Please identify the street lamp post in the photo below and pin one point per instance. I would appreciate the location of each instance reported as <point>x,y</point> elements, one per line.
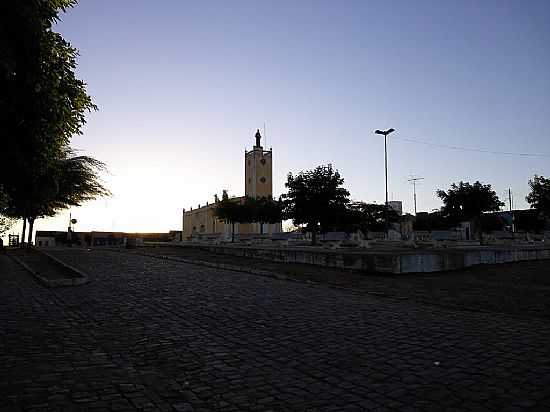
<point>70,230</point>
<point>386,133</point>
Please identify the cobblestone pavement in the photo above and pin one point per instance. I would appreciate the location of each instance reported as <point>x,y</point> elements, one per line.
<point>521,289</point>
<point>147,334</point>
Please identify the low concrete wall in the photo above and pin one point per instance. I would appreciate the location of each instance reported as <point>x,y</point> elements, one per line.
<point>413,261</point>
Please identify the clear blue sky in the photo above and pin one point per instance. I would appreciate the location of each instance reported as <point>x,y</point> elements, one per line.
<point>182,86</point>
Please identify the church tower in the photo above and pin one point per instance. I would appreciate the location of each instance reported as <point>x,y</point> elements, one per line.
<point>258,171</point>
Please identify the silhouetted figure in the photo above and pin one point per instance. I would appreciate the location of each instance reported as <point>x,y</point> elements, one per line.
<point>258,137</point>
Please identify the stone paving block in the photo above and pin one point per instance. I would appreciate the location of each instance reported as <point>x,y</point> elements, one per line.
<point>146,334</point>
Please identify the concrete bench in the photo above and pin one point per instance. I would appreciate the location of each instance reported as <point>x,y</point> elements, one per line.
<point>286,236</point>
<point>333,240</point>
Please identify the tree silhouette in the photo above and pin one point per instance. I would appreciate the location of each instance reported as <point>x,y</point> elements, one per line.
<point>67,181</point>
<point>539,197</point>
<point>434,221</point>
<point>260,210</point>
<point>469,201</point>
<point>315,199</point>
<point>42,102</point>
<point>251,210</point>
<point>5,221</point>
<point>371,217</point>
<point>229,211</point>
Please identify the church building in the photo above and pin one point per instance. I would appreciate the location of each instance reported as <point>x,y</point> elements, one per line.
<point>258,175</point>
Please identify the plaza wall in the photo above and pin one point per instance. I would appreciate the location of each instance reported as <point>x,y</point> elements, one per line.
<point>390,262</point>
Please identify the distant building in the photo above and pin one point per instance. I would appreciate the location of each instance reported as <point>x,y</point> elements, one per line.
<point>258,175</point>
<point>49,238</point>
<point>397,206</point>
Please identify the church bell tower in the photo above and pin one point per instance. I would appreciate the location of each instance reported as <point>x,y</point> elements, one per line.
<point>258,170</point>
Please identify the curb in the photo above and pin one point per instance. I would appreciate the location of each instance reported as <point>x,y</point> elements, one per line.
<point>225,266</point>
<point>43,281</point>
<point>75,281</point>
<point>50,283</point>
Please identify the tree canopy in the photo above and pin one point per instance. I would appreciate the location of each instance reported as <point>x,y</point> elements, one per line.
<point>230,211</point>
<point>539,197</point>
<point>68,181</point>
<point>5,221</point>
<point>371,217</point>
<point>529,220</point>
<point>42,106</point>
<point>433,221</point>
<point>261,210</point>
<point>315,199</point>
<point>469,201</point>
<point>43,103</point>
<point>251,210</point>
<point>465,200</point>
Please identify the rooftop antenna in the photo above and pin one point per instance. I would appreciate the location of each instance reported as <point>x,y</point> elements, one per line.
<point>414,180</point>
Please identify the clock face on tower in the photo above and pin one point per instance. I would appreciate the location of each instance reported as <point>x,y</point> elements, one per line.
<point>262,179</point>
<point>262,161</point>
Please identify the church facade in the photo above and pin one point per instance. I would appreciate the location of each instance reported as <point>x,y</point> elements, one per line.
<point>258,175</point>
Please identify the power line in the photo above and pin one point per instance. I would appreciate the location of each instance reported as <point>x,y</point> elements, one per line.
<point>469,149</point>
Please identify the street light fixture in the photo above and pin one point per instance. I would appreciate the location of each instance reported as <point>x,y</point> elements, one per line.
<point>385,133</point>
<point>70,230</point>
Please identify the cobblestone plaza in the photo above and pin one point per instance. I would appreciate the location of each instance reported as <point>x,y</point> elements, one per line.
<point>149,334</point>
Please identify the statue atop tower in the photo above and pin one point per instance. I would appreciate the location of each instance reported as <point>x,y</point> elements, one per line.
<point>258,172</point>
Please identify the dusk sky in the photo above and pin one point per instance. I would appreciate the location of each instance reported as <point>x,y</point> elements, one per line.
<point>182,86</point>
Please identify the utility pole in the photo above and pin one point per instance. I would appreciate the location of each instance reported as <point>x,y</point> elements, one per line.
<point>511,209</point>
<point>414,180</point>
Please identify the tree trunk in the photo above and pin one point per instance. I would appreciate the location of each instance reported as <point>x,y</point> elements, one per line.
<point>31,224</point>
<point>479,229</point>
<point>24,230</point>
<point>314,237</point>
<point>480,234</point>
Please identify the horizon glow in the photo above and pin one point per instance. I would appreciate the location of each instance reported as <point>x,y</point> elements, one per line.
<point>182,87</point>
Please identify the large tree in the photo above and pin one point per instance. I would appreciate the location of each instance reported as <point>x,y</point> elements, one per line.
<point>71,180</point>
<point>371,217</point>
<point>529,220</point>
<point>230,210</point>
<point>260,210</point>
<point>539,197</point>
<point>42,102</point>
<point>469,201</point>
<point>434,220</point>
<point>315,199</point>
<point>251,210</point>
<point>5,221</point>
